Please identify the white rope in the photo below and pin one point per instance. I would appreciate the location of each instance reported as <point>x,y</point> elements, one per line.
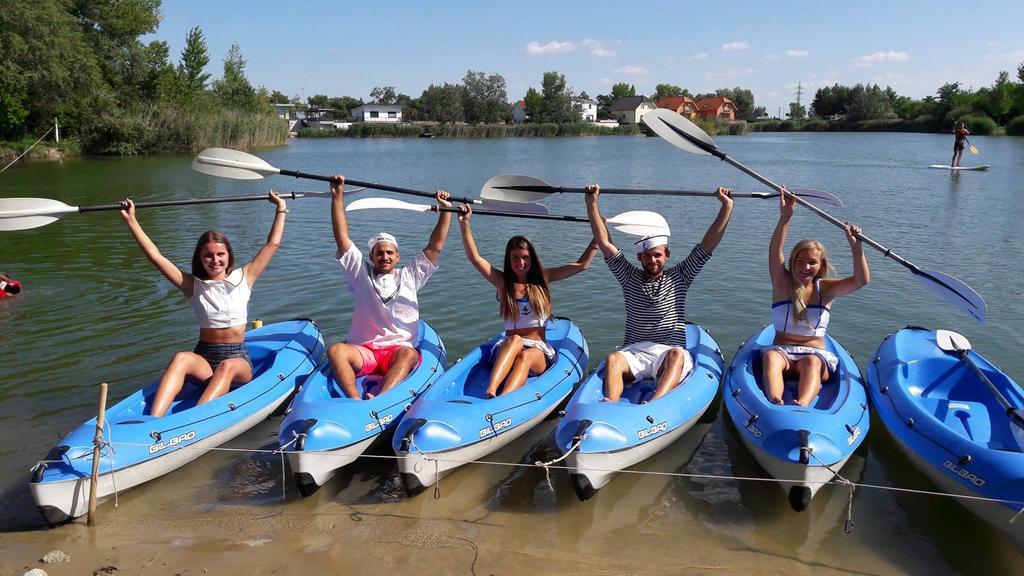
<point>547,465</point>
<point>848,526</point>
<point>438,459</point>
<point>26,150</point>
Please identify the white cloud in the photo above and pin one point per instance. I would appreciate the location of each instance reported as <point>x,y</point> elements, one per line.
<point>1015,56</point>
<point>729,74</point>
<point>598,49</point>
<point>735,46</point>
<point>605,81</point>
<point>701,56</point>
<point>553,47</point>
<point>632,71</point>
<point>871,59</point>
<point>797,53</point>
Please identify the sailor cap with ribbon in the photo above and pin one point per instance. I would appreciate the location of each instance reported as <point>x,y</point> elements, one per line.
<point>646,243</point>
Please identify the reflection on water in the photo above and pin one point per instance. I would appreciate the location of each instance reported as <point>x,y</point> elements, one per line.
<point>94,310</point>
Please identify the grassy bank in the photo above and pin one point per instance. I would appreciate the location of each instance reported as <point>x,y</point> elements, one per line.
<point>381,130</point>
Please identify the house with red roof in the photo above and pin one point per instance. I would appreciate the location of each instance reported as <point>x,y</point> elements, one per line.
<point>519,114</point>
<point>681,105</point>
<point>718,107</point>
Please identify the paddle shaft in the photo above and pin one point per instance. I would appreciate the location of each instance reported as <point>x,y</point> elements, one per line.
<point>118,206</point>
<point>385,187</point>
<point>436,208</point>
<point>635,191</point>
<point>1012,411</point>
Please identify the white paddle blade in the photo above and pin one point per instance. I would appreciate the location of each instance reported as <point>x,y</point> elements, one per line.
<point>640,223</point>
<point>28,213</point>
<point>228,163</point>
<point>951,341</point>
<point>518,207</point>
<point>385,203</point>
<point>954,291</point>
<point>668,124</point>
<point>817,197</point>
<point>494,188</point>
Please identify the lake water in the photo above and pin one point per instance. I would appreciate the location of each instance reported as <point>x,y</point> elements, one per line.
<point>93,310</point>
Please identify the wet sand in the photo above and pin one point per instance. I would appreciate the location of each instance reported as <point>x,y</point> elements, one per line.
<point>224,515</point>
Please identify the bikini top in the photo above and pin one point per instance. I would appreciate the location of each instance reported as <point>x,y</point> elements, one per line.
<point>526,318</point>
<point>221,303</point>
<point>815,322</point>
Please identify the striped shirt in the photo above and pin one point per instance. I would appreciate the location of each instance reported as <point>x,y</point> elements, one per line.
<point>656,310</point>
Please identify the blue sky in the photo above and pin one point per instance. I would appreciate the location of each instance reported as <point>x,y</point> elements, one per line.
<point>347,48</point>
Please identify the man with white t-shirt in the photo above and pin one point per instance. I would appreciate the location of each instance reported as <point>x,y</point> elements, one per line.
<point>654,345</point>
<point>385,322</point>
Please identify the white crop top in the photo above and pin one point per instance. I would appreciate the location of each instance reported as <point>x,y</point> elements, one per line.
<point>815,322</point>
<point>221,303</point>
<point>526,318</point>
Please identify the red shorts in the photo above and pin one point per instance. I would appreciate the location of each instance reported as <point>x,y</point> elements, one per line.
<point>376,360</point>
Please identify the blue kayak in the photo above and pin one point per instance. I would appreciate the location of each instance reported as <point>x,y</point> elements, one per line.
<point>453,423</point>
<point>950,424</point>
<point>803,447</point>
<point>615,435</point>
<point>144,447</point>
<point>324,429</point>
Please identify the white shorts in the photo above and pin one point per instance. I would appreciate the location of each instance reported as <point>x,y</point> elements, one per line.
<point>645,359</point>
<point>794,353</point>
<point>549,352</point>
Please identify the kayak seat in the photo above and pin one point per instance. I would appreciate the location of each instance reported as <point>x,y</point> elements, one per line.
<point>967,419</point>
<point>823,401</point>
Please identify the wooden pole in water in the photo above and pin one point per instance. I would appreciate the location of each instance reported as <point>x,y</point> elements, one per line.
<point>96,442</point>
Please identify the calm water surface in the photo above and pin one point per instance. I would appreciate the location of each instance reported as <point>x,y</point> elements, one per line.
<point>94,310</point>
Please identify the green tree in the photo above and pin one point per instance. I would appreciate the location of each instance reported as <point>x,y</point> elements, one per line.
<point>535,106</point>
<point>341,105</point>
<point>662,91</point>
<point>444,104</point>
<point>486,97</point>
<point>233,88</point>
<point>558,107</point>
<point>278,97</point>
<point>621,90</point>
<point>383,94</point>
<point>796,111</point>
<point>194,58</point>
<point>742,98</point>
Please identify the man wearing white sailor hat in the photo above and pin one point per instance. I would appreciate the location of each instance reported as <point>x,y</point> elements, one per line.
<point>654,344</point>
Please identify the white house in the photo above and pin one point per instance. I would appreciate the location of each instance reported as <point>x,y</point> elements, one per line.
<point>519,112</point>
<point>376,113</point>
<point>631,109</point>
<point>587,108</point>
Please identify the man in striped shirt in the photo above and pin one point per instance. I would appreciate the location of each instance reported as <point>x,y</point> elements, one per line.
<point>654,345</point>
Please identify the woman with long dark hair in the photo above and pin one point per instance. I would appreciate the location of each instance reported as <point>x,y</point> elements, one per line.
<point>524,302</point>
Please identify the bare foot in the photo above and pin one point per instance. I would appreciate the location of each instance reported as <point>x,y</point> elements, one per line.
<point>776,401</point>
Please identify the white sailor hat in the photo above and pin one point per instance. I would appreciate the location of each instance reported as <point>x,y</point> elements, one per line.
<point>648,242</point>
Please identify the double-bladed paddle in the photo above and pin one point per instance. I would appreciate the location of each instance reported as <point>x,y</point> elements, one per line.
<point>519,188</point>
<point>26,213</point>
<point>687,136</point>
<point>636,222</point>
<point>950,341</point>
<point>228,163</point>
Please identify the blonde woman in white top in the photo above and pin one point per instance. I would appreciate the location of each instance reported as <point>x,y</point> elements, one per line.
<point>219,295</point>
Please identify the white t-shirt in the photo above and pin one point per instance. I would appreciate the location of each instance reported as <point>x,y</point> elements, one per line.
<point>387,312</point>
<point>222,303</point>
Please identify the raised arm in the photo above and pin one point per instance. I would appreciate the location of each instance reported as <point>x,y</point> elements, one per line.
<point>861,275</point>
<point>490,273</point>
<point>181,280</point>
<point>262,258</point>
<point>597,224</point>
<point>776,258</point>
<point>717,229</point>
<point>440,233</point>
<point>574,268</point>
<point>339,222</point>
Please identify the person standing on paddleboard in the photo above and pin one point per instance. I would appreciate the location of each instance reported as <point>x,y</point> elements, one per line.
<point>802,296</point>
<point>525,304</point>
<point>960,135</point>
<point>219,295</point>
<point>654,345</point>
<point>384,331</point>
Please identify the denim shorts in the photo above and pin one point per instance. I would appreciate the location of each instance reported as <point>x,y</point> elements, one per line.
<point>217,353</point>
